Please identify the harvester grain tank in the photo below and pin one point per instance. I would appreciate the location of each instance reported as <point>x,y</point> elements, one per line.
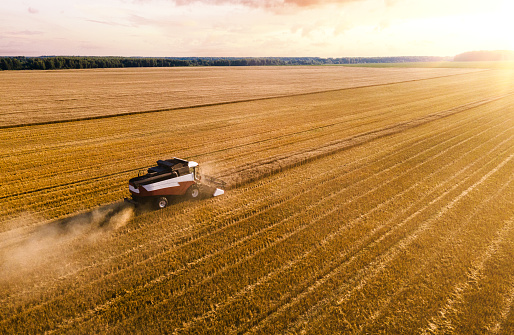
<point>170,178</point>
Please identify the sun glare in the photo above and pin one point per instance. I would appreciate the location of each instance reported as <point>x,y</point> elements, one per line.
<point>504,24</point>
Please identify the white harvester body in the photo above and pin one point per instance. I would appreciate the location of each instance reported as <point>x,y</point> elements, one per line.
<point>172,177</point>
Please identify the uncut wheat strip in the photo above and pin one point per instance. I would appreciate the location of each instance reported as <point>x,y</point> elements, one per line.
<point>375,267</point>
<point>305,150</point>
<point>326,240</point>
<point>380,262</point>
<point>233,245</point>
<point>442,322</point>
<point>278,163</point>
<point>434,258</point>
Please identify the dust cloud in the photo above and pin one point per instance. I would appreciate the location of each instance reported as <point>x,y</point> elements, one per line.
<point>31,248</point>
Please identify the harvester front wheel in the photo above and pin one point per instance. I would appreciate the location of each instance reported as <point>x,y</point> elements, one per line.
<point>162,202</point>
<point>193,192</point>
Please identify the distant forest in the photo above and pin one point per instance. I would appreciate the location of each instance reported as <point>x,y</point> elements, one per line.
<point>78,62</point>
<point>497,55</point>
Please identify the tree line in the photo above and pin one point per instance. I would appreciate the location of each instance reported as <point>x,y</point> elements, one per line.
<point>79,62</point>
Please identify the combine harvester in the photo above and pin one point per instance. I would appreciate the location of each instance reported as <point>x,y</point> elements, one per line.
<point>172,177</point>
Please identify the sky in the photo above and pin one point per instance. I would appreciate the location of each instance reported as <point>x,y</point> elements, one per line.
<point>252,28</point>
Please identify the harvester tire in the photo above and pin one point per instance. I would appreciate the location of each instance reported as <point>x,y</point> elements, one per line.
<point>162,202</point>
<point>193,192</point>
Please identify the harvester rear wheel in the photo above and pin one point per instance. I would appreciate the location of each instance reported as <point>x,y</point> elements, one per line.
<point>162,202</point>
<point>193,192</point>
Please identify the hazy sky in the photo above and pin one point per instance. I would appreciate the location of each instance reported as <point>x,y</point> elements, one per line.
<point>245,28</point>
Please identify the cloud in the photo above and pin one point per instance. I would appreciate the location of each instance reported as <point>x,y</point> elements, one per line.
<point>24,33</point>
<point>109,23</point>
<point>32,10</point>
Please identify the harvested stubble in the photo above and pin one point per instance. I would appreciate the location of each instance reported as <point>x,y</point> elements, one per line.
<point>388,235</point>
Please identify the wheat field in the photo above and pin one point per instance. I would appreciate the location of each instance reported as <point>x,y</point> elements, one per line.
<point>380,208</point>
<point>32,97</point>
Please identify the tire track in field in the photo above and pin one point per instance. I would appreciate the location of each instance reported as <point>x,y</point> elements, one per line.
<point>442,322</point>
<point>432,148</point>
<point>223,103</point>
<point>373,268</point>
<point>268,166</point>
<point>333,235</point>
<point>276,242</point>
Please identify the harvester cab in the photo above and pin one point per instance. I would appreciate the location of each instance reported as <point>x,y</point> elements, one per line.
<point>172,177</point>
